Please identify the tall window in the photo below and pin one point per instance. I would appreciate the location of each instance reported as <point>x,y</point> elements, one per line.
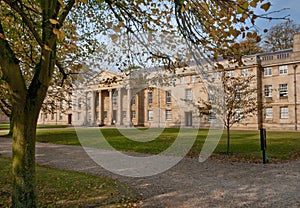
<point>268,90</point>
<point>188,94</point>
<point>230,73</point>
<point>238,116</point>
<point>182,80</point>
<point>150,97</point>
<point>168,115</point>
<point>193,78</point>
<point>79,103</point>
<point>150,115</point>
<point>268,113</point>
<point>283,90</point>
<point>123,114</point>
<point>268,71</point>
<point>60,116</point>
<point>133,114</point>
<point>168,96</point>
<point>78,115</point>
<point>283,69</point>
<point>133,100</point>
<point>115,98</point>
<point>238,93</point>
<point>211,115</point>
<point>244,72</point>
<point>52,116</point>
<point>284,112</point>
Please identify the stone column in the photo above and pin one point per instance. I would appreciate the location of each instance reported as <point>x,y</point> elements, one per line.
<point>119,107</point>
<point>100,108</point>
<point>129,107</point>
<point>93,108</point>
<point>110,111</point>
<point>85,116</point>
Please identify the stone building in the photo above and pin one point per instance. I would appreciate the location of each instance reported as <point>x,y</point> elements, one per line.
<point>162,99</point>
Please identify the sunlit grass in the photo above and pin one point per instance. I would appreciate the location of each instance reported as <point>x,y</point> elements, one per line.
<point>58,188</point>
<point>244,144</point>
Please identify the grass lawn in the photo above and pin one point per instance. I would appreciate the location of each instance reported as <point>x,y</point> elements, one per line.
<point>40,126</point>
<point>57,188</point>
<point>245,145</point>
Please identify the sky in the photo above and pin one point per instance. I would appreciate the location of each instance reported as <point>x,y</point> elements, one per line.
<point>293,7</point>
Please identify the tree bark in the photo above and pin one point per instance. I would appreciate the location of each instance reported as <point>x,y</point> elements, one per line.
<point>228,140</point>
<point>23,161</point>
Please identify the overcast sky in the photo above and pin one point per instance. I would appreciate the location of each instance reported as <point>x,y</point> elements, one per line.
<point>293,9</point>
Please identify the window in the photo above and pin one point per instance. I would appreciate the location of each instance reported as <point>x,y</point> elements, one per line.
<point>61,104</point>
<point>268,71</point>
<point>78,115</point>
<point>211,115</point>
<point>182,80</point>
<point>150,97</point>
<point>168,96</point>
<point>133,100</point>
<point>123,114</point>
<point>284,112</point>
<point>268,90</point>
<point>238,93</point>
<point>283,69</point>
<point>188,94</point>
<point>60,116</point>
<point>104,114</point>
<point>238,116</point>
<point>133,114</point>
<point>230,73</point>
<point>283,90</point>
<point>150,115</point>
<point>244,72</point>
<point>211,94</point>
<point>268,113</point>
<point>168,115</point>
<point>46,116</point>
<point>52,116</point>
<point>79,103</point>
<point>115,98</point>
<point>193,78</point>
<point>89,103</point>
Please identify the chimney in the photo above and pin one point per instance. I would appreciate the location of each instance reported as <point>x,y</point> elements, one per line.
<point>296,45</point>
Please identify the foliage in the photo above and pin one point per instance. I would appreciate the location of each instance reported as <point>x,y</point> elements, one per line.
<point>60,188</point>
<point>42,42</point>
<point>280,36</point>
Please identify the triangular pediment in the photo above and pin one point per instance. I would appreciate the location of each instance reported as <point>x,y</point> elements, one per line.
<point>103,77</point>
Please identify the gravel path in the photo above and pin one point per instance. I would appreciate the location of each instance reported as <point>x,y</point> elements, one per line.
<point>190,183</point>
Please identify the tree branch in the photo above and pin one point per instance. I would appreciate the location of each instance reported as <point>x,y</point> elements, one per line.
<point>26,21</point>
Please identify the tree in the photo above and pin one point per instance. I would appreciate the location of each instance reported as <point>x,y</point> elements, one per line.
<point>238,104</point>
<point>280,36</point>
<point>35,35</point>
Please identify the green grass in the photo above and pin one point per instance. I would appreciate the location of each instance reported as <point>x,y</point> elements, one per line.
<point>245,145</point>
<point>39,126</point>
<point>58,188</point>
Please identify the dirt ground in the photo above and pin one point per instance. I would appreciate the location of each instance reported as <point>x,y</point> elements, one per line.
<point>190,183</point>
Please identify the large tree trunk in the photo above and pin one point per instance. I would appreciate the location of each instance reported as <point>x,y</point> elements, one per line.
<point>23,164</point>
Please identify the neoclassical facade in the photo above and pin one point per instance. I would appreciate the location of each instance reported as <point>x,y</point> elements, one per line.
<point>163,100</point>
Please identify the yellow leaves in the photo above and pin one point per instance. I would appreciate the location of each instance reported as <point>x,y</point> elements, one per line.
<point>60,34</point>
<point>53,21</point>
<point>83,1</point>
<point>266,6</point>
<point>2,36</point>
<point>114,37</point>
<point>47,48</point>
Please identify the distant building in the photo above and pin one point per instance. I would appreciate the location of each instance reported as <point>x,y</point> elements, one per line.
<point>114,99</point>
